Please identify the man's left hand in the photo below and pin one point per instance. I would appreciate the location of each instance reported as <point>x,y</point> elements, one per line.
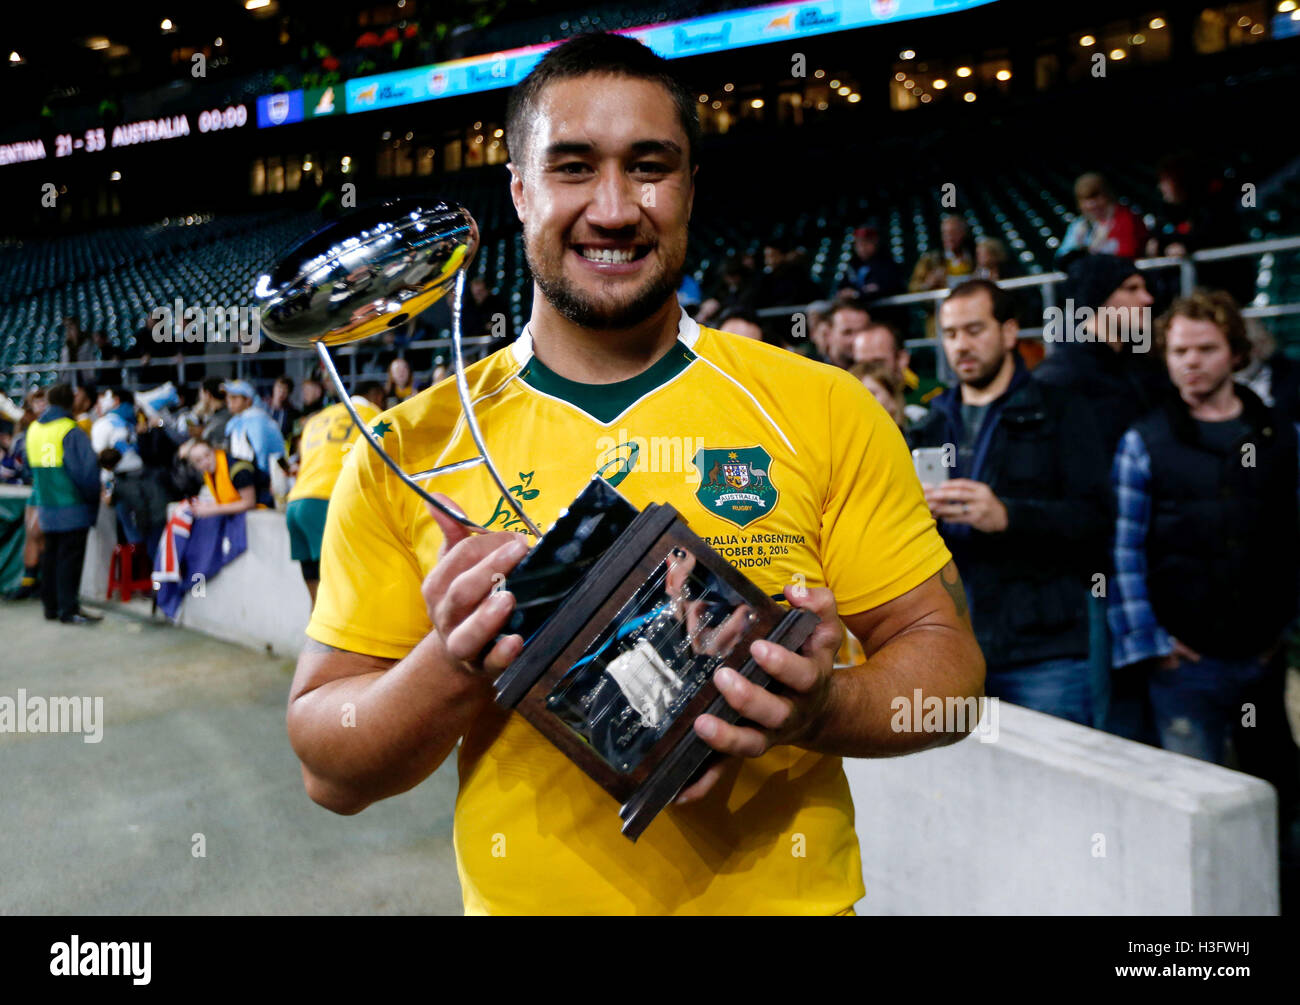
<point>789,717</point>
<point>964,501</point>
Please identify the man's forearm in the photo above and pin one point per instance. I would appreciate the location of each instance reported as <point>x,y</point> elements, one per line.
<point>863,708</point>
<point>370,736</point>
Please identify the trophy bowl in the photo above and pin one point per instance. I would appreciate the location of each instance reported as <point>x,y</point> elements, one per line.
<point>367,272</point>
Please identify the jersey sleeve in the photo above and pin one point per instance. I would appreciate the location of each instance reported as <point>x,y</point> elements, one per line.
<point>369,597</point>
<point>878,538</point>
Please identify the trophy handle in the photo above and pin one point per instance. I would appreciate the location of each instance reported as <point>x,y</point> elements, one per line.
<point>462,389</point>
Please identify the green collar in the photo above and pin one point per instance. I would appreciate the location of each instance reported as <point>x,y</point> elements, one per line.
<point>605,402</point>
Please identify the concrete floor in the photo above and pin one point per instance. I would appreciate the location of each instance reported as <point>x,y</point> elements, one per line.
<point>194,743</point>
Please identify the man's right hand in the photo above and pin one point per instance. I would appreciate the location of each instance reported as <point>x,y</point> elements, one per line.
<point>1181,654</point>
<point>464,597</point>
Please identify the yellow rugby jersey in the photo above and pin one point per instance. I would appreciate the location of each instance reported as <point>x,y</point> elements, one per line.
<point>829,495</point>
<point>324,445</point>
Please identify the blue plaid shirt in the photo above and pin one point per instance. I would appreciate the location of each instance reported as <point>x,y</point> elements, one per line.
<point>1135,633</point>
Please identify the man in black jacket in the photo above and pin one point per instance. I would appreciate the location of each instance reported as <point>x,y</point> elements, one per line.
<point>1107,361</point>
<point>1118,375</point>
<point>1024,510</point>
<point>1207,544</point>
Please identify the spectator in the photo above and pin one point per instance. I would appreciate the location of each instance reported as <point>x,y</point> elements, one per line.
<point>11,460</point>
<point>1271,374</point>
<point>1025,515</point>
<point>734,290</point>
<point>280,408</point>
<point>146,348</point>
<point>1108,359</point>
<point>992,261</point>
<point>212,409</point>
<point>1199,213</point>
<point>1103,226</point>
<point>77,347</point>
<point>116,428</point>
<point>742,323</point>
<point>65,490</point>
<point>313,397</point>
<point>83,405</point>
<point>233,486</point>
<point>870,271</point>
<point>881,344</point>
<point>785,281</point>
<point>1206,545</point>
<point>848,320</point>
<point>689,294</point>
<point>884,386</point>
<point>484,313</point>
<point>326,437</point>
<point>951,264</point>
<point>251,434</point>
<point>34,541</point>
<point>401,383</point>
<point>1109,365</point>
<point>819,328</point>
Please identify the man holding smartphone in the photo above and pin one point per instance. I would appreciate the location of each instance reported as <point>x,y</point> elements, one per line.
<point>1024,506</point>
<point>800,471</point>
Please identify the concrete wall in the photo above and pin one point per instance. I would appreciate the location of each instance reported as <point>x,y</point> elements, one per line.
<point>259,599</point>
<point>1049,818</point>
<point>1055,818</point>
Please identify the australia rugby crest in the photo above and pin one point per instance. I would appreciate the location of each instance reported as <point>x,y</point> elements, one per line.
<point>736,484</point>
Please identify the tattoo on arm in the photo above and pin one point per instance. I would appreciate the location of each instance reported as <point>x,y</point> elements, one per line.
<point>955,590</point>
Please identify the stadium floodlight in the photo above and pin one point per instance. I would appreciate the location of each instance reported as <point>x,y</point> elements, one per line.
<point>366,274</point>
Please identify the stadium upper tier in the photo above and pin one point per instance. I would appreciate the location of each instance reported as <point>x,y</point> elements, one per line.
<point>110,279</point>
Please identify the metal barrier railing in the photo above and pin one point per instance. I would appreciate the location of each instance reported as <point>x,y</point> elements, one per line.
<point>351,354</point>
<point>1047,282</point>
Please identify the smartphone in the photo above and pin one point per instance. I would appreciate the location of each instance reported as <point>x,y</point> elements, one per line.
<point>929,464</point>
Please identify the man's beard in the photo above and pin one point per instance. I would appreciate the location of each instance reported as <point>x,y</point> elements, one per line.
<point>986,376</point>
<point>576,308</point>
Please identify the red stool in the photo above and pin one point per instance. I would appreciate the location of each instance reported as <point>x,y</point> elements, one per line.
<point>121,574</point>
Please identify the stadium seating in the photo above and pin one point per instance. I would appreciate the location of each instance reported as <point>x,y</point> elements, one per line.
<point>110,279</point>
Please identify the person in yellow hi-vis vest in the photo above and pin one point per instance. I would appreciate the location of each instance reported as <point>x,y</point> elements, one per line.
<point>326,438</point>
<point>65,491</point>
<point>790,464</point>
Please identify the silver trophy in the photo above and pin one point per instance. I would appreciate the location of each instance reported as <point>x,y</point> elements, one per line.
<point>365,274</point>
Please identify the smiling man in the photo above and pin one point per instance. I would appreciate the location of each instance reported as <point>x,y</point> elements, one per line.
<point>603,143</point>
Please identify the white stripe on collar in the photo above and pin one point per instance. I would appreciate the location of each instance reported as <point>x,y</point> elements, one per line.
<point>688,333</point>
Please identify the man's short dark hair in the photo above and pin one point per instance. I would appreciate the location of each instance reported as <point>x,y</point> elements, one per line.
<point>598,53</point>
<point>122,394</point>
<point>286,380</point>
<point>894,332</point>
<point>1004,305</point>
<point>368,387</point>
<point>739,314</point>
<point>214,386</point>
<point>60,396</point>
<point>840,306</point>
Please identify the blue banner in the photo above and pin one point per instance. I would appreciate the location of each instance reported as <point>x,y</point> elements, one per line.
<point>735,29</point>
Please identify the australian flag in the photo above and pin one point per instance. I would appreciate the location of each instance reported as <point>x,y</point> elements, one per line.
<point>192,548</point>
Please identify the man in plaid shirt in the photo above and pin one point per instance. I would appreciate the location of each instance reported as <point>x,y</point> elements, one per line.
<point>1207,540</point>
